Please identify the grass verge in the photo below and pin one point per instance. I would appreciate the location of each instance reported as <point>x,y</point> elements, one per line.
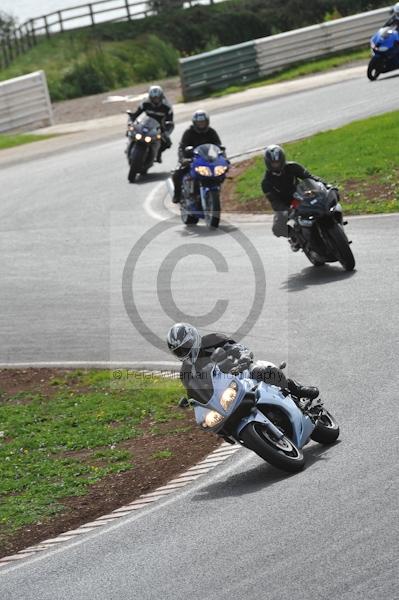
<point>11,140</point>
<point>299,70</point>
<point>360,158</point>
<point>74,445</point>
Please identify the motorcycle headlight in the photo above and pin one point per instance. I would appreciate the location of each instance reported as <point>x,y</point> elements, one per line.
<point>212,419</point>
<point>219,170</point>
<point>138,136</point>
<point>148,139</point>
<point>204,171</point>
<point>228,396</point>
<point>158,136</point>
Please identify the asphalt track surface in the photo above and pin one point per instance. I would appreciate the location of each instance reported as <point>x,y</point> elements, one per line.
<point>69,223</point>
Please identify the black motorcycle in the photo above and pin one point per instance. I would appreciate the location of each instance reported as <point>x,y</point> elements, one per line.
<point>318,226</point>
<point>144,141</point>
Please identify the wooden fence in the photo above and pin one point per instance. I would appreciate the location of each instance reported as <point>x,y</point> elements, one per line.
<point>29,33</point>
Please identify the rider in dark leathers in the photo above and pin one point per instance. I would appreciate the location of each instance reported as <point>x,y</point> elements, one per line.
<point>157,107</point>
<point>198,133</point>
<point>279,183</point>
<point>394,18</point>
<point>195,352</point>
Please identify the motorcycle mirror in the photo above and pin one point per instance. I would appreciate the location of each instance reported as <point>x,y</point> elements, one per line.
<point>218,355</point>
<point>282,365</point>
<point>189,151</point>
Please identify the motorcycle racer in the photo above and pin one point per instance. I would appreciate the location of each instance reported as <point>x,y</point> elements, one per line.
<point>195,351</point>
<point>158,107</point>
<point>278,184</point>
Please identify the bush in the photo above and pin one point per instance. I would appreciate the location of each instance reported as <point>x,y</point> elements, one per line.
<point>233,21</point>
<point>105,67</point>
<point>93,74</point>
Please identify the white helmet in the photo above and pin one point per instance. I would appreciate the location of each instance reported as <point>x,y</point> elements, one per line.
<point>396,10</point>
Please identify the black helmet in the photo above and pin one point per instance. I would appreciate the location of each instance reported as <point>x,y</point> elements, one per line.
<point>155,94</point>
<point>275,159</point>
<point>184,341</point>
<point>200,121</point>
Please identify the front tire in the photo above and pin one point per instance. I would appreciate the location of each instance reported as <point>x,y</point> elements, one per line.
<point>326,430</point>
<point>372,70</point>
<point>187,218</point>
<point>212,214</point>
<point>282,453</point>
<point>137,159</point>
<point>340,246</point>
<point>313,257</point>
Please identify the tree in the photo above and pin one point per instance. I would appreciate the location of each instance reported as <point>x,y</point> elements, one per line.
<point>160,6</point>
<point>7,25</point>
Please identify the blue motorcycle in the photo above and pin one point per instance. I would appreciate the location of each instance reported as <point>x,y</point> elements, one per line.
<point>272,423</point>
<point>385,52</point>
<point>201,185</point>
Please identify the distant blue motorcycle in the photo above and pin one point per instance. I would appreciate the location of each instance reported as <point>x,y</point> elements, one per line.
<point>201,185</point>
<point>385,52</point>
<point>260,416</point>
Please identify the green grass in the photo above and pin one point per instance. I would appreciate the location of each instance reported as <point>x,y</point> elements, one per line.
<point>308,68</point>
<point>79,65</point>
<point>9,140</point>
<point>57,446</point>
<point>361,158</point>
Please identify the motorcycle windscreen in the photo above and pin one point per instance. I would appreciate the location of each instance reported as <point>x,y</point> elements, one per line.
<point>309,188</point>
<point>313,197</point>
<point>385,32</point>
<point>147,123</point>
<point>208,152</point>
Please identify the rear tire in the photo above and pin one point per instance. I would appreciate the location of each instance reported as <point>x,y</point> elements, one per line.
<point>212,214</point>
<point>340,246</point>
<point>372,70</point>
<point>137,158</point>
<point>326,430</point>
<point>282,453</point>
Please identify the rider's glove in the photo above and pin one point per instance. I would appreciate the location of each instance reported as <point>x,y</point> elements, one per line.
<point>241,365</point>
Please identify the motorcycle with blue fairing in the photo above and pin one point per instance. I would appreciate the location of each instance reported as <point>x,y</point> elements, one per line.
<point>201,185</point>
<point>385,52</point>
<point>262,417</point>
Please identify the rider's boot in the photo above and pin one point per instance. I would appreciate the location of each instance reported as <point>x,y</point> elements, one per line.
<point>295,246</point>
<point>302,391</point>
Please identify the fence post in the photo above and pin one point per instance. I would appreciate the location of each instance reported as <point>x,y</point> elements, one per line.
<point>6,59</point>
<point>46,26</point>
<point>16,43</point>
<point>10,49</point>
<point>128,10</point>
<point>60,21</point>
<point>91,14</point>
<point>33,31</point>
<point>27,35</point>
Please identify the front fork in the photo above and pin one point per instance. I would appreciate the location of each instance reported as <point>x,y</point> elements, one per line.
<point>257,417</point>
<point>204,193</point>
